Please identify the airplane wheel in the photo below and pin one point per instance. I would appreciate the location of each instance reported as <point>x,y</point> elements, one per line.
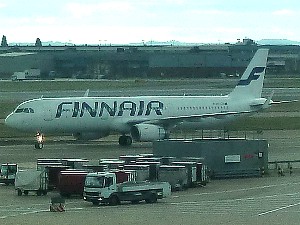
<point>125,140</point>
<point>39,145</point>
<point>128,140</point>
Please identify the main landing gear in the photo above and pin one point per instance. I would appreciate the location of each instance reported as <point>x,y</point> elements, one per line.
<point>125,140</point>
<point>39,141</point>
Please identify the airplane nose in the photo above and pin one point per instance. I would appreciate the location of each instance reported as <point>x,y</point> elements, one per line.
<point>9,121</point>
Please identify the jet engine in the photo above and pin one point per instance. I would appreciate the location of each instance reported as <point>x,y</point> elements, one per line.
<point>148,132</point>
<point>89,135</point>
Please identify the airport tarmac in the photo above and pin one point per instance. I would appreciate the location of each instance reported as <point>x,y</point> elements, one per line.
<point>268,200</point>
<point>271,200</point>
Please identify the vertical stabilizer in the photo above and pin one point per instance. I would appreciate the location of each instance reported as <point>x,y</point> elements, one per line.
<point>251,83</point>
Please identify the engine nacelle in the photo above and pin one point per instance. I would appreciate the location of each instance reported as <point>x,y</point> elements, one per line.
<point>148,132</point>
<point>89,135</point>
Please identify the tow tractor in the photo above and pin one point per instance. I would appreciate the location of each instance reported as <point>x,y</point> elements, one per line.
<point>102,187</point>
<point>8,173</point>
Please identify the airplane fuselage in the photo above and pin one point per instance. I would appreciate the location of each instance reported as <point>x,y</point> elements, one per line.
<point>95,114</point>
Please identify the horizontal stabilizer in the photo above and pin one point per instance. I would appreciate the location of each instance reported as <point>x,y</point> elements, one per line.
<point>282,102</point>
<point>268,101</point>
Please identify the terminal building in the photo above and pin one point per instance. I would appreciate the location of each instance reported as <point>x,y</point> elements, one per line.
<point>145,61</point>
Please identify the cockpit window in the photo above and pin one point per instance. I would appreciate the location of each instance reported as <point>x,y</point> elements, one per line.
<point>24,110</point>
<point>19,110</point>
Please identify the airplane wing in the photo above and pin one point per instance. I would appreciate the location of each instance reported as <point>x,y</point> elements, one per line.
<point>173,120</point>
<point>192,118</point>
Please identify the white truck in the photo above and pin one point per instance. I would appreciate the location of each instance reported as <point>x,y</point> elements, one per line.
<point>30,74</point>
<point>102,187</point>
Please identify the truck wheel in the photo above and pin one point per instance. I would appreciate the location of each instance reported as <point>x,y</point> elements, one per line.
<point>152,198</point>
<point>38,192</point>
<point>44,192</point>
<point>25,192</point>
<point>135,201</point>
<point>114,200</point>
<point>19,192</point>
<point>65,195</point>
<point>95,203</point>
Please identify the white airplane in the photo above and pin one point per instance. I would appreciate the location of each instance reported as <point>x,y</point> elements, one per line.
<point>142,118</point>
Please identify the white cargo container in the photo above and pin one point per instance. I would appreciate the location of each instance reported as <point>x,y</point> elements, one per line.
<point>177,176</point>
<point>31,180</point>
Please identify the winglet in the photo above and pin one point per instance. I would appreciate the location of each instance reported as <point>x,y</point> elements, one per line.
<point>86,94</point>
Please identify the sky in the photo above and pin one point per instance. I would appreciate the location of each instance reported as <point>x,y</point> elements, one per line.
<point>134,21</point>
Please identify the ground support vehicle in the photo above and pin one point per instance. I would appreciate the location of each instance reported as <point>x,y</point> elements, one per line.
<point>202,171</point>
<point>177,176</point>
<point>191,169</point>
<point>71,182</point>
<point>31,180</point>
<point>8,173</point>
<point>57,204</point>
<point>102,188</point>
<point>30,74</point>
<point>141,171</point>
<point>202,174</point>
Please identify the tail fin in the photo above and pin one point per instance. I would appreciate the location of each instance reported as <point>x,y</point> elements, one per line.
<point>251,83</point>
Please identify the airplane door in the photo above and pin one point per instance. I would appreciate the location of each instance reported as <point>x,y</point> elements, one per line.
<point>48,114</point>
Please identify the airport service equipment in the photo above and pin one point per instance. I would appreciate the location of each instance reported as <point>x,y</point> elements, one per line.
<point>71,182</point>
<point>177,176</point>
<point>30,74</point>
<point>191,169</point>
<point>103,188</point>
<point>8,173</point>
<point>31,180</point>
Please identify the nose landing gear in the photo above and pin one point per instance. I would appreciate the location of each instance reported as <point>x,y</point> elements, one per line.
<point>39,141</point>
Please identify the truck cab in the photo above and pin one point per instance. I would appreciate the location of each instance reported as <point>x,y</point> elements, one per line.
<point>8,173</point>
<point>99,186</point>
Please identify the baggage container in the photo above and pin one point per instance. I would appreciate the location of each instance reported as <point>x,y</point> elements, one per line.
<point>175,175</point>
<point>31,181</point>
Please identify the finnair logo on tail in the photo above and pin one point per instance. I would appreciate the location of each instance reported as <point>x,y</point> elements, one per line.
<point>254,75</point>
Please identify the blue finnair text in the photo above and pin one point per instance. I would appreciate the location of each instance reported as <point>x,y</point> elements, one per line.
<point>98,109</point>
